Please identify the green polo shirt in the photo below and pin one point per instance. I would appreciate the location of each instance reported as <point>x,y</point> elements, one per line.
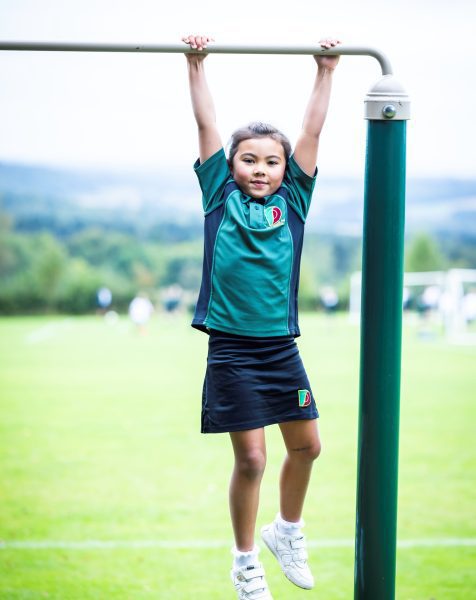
<point>252,252</point>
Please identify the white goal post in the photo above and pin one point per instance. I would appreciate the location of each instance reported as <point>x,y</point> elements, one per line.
<point>453,295</point>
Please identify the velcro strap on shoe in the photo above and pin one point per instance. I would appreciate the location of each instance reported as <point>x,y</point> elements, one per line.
<point>300,555</point>
<point>253,586</point>
<point>250,574</point>
<point>298,543</point>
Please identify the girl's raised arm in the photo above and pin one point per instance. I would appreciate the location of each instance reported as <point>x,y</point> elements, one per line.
<point>305,152</point>
<point>202,102</point>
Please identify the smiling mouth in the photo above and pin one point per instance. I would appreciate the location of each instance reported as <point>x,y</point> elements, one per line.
<point>257,182</point>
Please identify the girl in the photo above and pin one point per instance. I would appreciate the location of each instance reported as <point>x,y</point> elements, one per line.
<point>255,204</point>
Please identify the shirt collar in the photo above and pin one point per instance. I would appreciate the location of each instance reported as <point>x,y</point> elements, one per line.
<point>247,199</point>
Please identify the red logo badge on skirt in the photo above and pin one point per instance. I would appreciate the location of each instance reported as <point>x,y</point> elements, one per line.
<point>304,397</point>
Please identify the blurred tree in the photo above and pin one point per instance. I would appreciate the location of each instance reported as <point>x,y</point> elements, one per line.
<point>308,292</point>
<point>98,247</point>
<point>143,276</point>
<point>423,254</point>
<point>77,292</point>
<point>48,266</point>
<point>459,250</point>
<point>184,270</point>
<point>6,222</point>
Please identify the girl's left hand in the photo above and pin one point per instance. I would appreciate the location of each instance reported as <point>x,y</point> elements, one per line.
<point>197,42</point>
<point>327,62</point>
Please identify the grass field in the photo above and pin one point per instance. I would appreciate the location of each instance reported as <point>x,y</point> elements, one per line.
<point>109,491</point>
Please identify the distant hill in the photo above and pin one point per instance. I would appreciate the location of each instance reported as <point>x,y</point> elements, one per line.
<point>67,200</point>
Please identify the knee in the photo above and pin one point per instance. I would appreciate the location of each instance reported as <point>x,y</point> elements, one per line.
<point>307,453</point>
<point>315,450</point>
<point>251,464</point>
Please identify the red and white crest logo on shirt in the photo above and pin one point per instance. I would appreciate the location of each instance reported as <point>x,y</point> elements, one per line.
<point>274,216</point>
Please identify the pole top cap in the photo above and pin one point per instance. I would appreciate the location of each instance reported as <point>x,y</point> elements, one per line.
<point>387,100</point>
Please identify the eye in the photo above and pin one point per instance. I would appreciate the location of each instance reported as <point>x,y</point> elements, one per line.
<point>249,161</point>
<point>273,162</point>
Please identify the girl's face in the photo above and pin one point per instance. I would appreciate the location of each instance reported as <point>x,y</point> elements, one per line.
<point>258,166</point>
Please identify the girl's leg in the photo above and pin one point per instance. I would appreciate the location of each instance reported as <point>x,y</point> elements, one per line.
<point>303,447</point>
<point>250,460</point>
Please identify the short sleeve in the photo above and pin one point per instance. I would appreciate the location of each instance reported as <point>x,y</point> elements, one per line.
<point>212,176</point>
<point>301,186</point>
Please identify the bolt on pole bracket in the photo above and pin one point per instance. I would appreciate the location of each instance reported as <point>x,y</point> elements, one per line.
<point>387,101</point>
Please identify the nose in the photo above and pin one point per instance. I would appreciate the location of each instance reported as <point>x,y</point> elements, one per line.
<point>259,169</point>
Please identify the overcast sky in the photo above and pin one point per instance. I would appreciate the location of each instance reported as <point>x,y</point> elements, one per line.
<point>133,111</point>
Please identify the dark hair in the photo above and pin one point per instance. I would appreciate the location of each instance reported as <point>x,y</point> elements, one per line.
<point>254,130</point>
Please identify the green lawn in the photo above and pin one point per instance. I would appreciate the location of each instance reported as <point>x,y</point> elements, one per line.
<point>99,441</point>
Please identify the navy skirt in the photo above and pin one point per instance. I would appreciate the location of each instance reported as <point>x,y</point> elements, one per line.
<point>253,382</point>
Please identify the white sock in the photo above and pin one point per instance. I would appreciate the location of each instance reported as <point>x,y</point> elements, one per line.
<point>245,559</point>
<point>288,527</point>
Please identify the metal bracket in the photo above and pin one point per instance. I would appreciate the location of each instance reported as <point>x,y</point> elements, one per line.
<point>387,101</point>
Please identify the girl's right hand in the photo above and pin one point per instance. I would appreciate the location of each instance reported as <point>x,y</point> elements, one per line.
<point>197,42</point>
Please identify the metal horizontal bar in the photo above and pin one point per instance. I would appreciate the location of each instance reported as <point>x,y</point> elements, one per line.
<point>212,49</point>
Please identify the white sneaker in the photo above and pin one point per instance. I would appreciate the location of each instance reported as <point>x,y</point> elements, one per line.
<point>250,583</point>
<point>290,550</point>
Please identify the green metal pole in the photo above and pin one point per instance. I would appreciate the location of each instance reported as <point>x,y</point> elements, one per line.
<point>381,329</point>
